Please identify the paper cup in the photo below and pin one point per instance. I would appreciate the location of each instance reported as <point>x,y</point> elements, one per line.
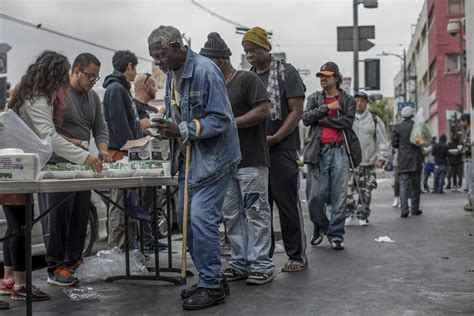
<point>167,169</point>
<point>153,130</point>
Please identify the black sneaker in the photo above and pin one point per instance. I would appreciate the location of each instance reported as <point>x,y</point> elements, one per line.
<point>259,278</point>
<point>337,245</point>
<point>316,239</point>
<point>204,298</point>
<point>232,274</point>
<point>419,212</point>
<point>188,292</point>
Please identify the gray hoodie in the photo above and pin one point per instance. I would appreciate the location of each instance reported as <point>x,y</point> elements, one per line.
<point>371,138</point>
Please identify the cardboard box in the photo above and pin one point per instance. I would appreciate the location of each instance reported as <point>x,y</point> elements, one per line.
<point>19,167</point>
<point>147,149</point>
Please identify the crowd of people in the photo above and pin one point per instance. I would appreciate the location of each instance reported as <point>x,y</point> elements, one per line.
<point>241,132</point>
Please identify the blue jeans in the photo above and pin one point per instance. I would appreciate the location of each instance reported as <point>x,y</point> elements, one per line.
<point>204,217</point>
<point>439,176</point>
<point>330,178</point>
<point>247,216</point>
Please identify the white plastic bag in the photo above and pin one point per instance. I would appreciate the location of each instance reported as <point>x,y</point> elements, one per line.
<point>14,133</point>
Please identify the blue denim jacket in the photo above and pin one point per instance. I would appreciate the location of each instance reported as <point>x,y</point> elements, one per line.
<point>216,151</point>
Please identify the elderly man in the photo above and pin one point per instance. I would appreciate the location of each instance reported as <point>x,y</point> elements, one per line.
<point>202,120</point>
<point>410,162</point>
<point>286,92</point>
<point>370,130</point>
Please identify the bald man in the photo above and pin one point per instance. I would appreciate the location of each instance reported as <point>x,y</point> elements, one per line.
<point>145,90</point>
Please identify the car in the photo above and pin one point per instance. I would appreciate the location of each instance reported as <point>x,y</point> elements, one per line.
<point>96,228</point>
<point>97,225</point>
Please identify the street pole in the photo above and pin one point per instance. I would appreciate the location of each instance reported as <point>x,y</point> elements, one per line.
<point>355,43</point>
<point>461,68</point>
<point>405,90</point>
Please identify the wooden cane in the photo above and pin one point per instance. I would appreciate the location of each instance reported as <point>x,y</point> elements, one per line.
<point>185,212</point>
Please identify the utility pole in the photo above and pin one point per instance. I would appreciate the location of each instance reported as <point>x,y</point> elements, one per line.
<point>355,44</point>
<point>405,78</point>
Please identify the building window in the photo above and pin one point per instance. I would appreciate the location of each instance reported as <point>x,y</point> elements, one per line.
<point>456,7</point>
<point>432,71</point>
<point>425,80</point>
<point>452,63</point>
<point>431,18</point>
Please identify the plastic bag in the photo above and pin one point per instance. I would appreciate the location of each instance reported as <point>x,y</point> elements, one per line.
<point>14,133</point>
<point>384,239</point>
<point>109,263</point>
<point>420,135</point>
<point>80,293</point>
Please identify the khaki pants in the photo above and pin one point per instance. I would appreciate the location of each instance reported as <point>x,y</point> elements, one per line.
<point>116,223</point>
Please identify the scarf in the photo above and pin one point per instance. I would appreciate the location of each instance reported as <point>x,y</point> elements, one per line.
<point>277,68</point>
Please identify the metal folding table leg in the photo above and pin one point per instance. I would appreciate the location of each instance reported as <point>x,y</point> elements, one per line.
<point>29,225</point>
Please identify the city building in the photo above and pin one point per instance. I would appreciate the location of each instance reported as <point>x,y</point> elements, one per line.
<point>434,67</point>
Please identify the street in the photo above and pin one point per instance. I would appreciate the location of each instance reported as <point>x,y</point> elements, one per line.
<point>428,270</point>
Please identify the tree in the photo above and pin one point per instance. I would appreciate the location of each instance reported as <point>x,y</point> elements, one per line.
<point>384,110</point>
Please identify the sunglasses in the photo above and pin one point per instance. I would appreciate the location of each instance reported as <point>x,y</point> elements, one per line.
<point>146,78</point>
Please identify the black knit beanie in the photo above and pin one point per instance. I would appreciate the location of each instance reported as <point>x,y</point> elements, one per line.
<point>215,47</point>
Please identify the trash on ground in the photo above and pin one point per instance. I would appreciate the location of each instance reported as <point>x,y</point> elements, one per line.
<point>81,293</point>
<point>445,258</point>
<point>109,263</point>
<point>384,239</point>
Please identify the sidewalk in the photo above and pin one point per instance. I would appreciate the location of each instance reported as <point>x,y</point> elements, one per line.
<point>424,272</point>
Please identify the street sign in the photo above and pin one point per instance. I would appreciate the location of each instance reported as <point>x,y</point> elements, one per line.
<point>345,38</point>
<point>348,45</point>
<point>372,74</point>
<point>401,105</point>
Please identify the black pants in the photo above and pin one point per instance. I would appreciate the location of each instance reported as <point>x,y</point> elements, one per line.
<point>14,248</point>
<point>455,175</point>
<point>67,227</point>
<point>283,190</point>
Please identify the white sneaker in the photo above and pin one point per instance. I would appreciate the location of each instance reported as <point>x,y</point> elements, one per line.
<point>396,203</point>
<point>363,222</point>
<point>351,221</point>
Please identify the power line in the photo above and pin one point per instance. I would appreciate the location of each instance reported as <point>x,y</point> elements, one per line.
<point>51,31</point>
<point>217,15</point>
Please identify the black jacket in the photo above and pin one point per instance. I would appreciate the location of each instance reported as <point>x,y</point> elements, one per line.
<point>441,153</point>
<point>315,116</point>
<point>410,157</point>
<point>455,159</point>
<point>119,111</point>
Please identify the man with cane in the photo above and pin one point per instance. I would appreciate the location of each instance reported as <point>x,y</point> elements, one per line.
<point>331,149</point>
<point>205,151</point>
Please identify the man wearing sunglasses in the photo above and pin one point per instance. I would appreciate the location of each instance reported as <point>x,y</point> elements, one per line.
<point>67,225</point>
<point>145,90</point>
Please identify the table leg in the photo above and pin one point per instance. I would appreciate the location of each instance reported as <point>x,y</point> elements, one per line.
<point>127,248</point>
<point>29,225</point>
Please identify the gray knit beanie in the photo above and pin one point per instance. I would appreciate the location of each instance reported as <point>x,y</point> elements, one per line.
<point>215,47</point>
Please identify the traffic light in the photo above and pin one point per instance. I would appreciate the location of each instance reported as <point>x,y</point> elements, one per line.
<point>3,63</point>
<point>372,74</point>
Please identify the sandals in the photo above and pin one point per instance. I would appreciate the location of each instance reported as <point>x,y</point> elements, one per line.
<point>294,266</point>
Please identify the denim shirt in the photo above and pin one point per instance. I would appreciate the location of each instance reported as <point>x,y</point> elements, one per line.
<point>216,151</point>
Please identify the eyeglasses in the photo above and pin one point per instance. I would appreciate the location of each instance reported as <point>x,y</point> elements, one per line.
<point>146,79</point>
<point>89,76</point>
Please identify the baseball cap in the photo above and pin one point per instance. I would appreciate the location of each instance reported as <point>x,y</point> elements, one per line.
<point>362,95</point>
<point>328,69</point>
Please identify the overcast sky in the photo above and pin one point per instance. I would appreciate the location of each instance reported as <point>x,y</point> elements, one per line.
<point>304,30</point>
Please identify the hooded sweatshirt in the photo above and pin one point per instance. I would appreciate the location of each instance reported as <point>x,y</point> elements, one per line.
<point>120,112</point>
<point>371,137</point>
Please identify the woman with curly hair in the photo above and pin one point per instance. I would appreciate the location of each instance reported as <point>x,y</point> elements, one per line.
<point>39,100</point>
